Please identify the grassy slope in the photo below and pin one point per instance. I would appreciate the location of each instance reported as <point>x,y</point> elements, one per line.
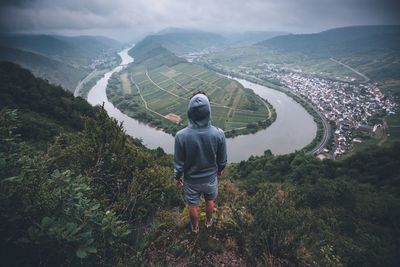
<point>186,41</point>
<point>75,51</point>
<point>167,83</point>
<point>56,72</point>
<point>48,109</point>
<point>61,60</point>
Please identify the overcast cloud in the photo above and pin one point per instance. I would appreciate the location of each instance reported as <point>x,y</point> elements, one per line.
<point>126,19</point>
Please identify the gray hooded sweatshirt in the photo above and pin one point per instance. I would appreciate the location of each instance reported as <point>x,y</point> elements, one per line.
<point>200,148</point>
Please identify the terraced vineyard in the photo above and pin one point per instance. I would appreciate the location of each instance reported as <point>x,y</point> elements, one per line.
<point>160,96</point>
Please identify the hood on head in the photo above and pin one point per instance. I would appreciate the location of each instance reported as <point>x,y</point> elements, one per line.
<point>199,111</point>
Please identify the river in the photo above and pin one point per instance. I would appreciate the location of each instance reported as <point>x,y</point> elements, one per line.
<point>293,129</point>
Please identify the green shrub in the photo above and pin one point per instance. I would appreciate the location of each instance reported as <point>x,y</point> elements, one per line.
<point>279,228</point>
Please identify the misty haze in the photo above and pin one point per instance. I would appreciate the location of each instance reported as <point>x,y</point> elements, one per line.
<point>95,97</point>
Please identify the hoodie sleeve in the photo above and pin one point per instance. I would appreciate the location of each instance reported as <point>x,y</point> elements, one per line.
<point>221,153</point>
<point>179,158</point>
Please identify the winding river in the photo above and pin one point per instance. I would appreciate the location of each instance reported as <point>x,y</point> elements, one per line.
<point>293,129</point>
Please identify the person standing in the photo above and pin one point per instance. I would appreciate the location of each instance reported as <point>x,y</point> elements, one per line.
<point>200,157</point>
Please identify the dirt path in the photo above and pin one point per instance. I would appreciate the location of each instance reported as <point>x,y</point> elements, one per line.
<point>180,97</point>
<point>145,102</point>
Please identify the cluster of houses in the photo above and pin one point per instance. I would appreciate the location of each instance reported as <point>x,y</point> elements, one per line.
<point>354,108</point>
<point>104,60</point>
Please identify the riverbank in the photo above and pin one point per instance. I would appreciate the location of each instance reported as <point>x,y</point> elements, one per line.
<point>324,129</point>
<point>154,96</point>
<point>293,129</point>
<point>87,83</point>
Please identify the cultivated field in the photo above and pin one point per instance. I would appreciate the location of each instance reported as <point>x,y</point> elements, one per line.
<point>165,92</point>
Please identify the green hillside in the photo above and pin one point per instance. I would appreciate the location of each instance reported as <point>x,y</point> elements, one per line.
<point>184,41</point>
<point>152,54</point>
<point>382,66</point>
<point>250,37</point>
<point>74,187</point>
<point>86,194</point>
<point>60,59</point>
<point>338,42</point>
<point>75,51</point>
<point>94,43</point>
<point>45,110</point>
<point>56,72</point>
<point>90,47</point>
<point>157,88</point>
<point>339,213</point>
<point>42,44</point>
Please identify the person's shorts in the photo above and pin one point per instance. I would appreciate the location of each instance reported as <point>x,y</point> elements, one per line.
<point>194,191</point>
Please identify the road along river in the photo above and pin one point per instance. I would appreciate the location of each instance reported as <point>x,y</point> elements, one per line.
<point>293,129</point>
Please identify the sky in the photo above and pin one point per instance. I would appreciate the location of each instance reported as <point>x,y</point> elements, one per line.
<point>130,19</point>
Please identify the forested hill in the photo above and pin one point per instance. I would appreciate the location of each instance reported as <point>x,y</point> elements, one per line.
<point>339,41</point>
<point>151,53</point>
<point>250,37</point>
<point>45,110</point>
<point>74,186</point>
<point>181,41</point>
<point>75,51</point>
<point>339,213</point>
<point>80,192</point>
<point>53,70</point>
<point>60,59</point>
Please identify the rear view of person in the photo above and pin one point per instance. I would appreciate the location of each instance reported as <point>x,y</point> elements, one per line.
<point>200,156</point>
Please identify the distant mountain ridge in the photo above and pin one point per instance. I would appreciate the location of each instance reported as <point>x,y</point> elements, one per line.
<point>153,54</point>
<point>41,44</point>
<point>181,42</point>
<point>169,30</point>
<point>338,41</point>
<point>75,50</point>
<point>62,60</point>
<point>52,70</point>
<point>251,37</point>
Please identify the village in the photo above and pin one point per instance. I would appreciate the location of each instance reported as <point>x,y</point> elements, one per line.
<point>354,109</point>
<point>105,60</point>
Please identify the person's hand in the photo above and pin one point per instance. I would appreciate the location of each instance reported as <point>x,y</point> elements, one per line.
<point>179,183</point>
<point>219,173</point>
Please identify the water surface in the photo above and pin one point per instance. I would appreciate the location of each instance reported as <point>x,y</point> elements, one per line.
<point>293,129</point>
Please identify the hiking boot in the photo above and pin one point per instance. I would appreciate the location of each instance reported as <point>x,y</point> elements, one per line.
<point>210,223</point>
<point>194,230</point>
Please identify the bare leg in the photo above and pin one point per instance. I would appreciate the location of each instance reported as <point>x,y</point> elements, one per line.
<point>209,210</point>
<point>194,216</point>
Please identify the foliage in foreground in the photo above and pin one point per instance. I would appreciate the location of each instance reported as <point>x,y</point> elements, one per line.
<point>56,209</point>
<point>343,213</point>
<point>90,195</point>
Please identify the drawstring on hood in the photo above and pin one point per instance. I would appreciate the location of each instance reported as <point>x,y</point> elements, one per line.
<point>199,111</point>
